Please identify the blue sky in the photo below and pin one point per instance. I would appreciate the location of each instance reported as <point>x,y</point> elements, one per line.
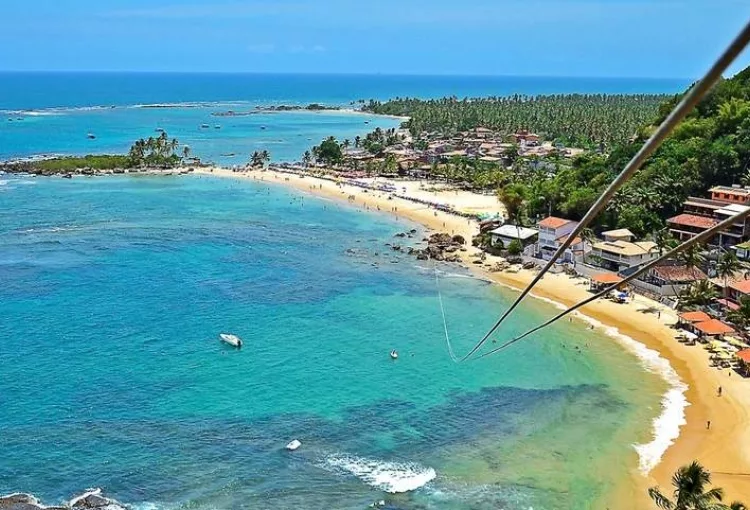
<point>635,38</point>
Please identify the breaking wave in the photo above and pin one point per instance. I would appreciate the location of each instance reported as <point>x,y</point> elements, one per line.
<point>391,477</point>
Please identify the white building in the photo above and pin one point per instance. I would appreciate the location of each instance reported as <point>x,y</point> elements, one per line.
<point>509,233</point>
<point>553,232</point>
<point>618,252</point>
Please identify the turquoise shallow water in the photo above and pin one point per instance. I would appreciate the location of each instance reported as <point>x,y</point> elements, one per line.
<point>113,293</point>
<point>52,113</point>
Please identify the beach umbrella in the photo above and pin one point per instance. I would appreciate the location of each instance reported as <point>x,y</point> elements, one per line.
<point>715,345</point>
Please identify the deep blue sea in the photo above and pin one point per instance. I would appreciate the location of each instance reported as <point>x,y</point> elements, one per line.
<point>53,114</point>
<point>113,292</point>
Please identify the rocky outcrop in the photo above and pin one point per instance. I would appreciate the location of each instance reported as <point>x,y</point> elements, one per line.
<point>441,247</point>
<point>91,499</point>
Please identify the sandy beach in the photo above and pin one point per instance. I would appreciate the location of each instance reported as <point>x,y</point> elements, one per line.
<point>723,449</point>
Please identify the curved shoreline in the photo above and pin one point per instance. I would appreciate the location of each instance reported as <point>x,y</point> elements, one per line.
<point>691,397</point>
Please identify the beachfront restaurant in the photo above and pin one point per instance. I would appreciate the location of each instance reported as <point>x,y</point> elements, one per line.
<point>712,329</point>
<point>743,358</point>
<point>601,281</point>
<point>687,320</point>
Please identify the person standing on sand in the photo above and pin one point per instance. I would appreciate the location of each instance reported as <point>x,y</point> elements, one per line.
<point>719,392</point>
<point>708,425</point>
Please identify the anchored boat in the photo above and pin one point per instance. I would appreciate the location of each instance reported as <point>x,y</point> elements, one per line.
<point>232,340</point>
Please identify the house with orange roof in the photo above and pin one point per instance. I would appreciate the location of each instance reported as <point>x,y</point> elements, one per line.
<point>712,328</point>
<point>669,280</point>
<point>738,290</point>
<point>553,232</point>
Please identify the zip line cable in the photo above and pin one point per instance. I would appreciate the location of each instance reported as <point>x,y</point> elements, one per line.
<point>688,102</point>
<point>704,236</point>
<point>442,310</point>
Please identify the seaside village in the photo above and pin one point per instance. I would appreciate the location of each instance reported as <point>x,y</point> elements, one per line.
<point>711,297</point>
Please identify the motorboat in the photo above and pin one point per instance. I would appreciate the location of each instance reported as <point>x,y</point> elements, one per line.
<point>394,354</point>
<point>91,136</point>
<point>232,340</point>
<point>204,126</point>
<point>293,445</point>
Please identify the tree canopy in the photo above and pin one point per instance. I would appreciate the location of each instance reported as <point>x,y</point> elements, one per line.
<point>578,119</point>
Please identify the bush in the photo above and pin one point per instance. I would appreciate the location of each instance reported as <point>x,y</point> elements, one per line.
<point>515,248</point>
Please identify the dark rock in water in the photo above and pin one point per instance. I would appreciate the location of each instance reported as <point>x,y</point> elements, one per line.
<point>422,255</point>
<point>458,239</point>
<point>94,499</point>
<point>400,234</point>
<point>19,501</point>
<point>396,247</point>
<point>91,499</point>
<point>413,231</point>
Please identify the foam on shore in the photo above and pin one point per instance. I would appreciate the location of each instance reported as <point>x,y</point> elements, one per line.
<point>666,426</point>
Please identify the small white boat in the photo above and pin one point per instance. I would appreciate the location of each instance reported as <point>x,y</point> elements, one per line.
<point>293,445</point>
<point>91,136</point>
<point>394,354</point>
<point>232,340</point>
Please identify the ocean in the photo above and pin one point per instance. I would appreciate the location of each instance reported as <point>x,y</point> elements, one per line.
<point>114,291</point>
<point>53,114</point>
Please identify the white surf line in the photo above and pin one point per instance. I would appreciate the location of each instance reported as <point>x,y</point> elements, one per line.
<point>666,426</point>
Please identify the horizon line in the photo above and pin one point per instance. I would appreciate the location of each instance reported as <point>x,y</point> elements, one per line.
<point>293,73</point>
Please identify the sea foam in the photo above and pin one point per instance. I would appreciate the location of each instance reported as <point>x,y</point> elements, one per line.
<point>392,477</point>
<point>666,426</point>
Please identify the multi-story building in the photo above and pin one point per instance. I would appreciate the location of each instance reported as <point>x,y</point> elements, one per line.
<point>618,251</point>
<point>700,214</point>
<point>553,232</point>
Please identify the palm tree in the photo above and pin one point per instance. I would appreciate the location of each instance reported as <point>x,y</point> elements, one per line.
<point>664,240</point>
<point>357,140</point>
<point>741,316</point>
<point>306,158</point>
<point>346,144</point>
<point>265,157</point>
<point>256,160</point>
<point>692,258</point>
<point>700,293</point>
<point>691,491</point>
<point>727,265</point>
<point>186,151</point>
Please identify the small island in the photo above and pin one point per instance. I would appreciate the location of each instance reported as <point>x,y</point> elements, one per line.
<point>312,107</point>
<point>145,155</point>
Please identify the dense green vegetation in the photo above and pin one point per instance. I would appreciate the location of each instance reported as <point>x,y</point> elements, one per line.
<point>157,152</point>
<point>70,164</point>
<point>582,120</point>
<point>711,147</point>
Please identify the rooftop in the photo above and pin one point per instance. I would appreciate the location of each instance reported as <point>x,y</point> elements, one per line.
<point>620,232</point>
<point>713,327</point>
<point>744,355</point>
<point>608,278</point>
<point>691,220</point>
<point>732,209</point>
<point>695,316</point>
<point>626,248</point>
<point>513,232</point>
<point>743,287</point>
<point>679,273</point>
<point>553,222</point>
<point>731,189</point>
